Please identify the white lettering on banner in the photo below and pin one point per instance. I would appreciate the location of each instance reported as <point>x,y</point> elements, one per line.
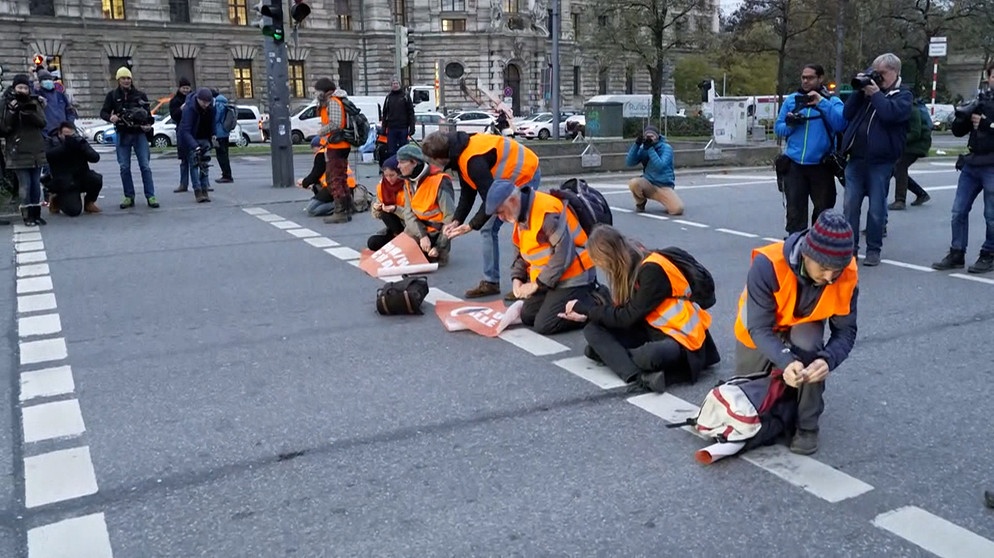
<point>488,317</point>
<point>391,256</point>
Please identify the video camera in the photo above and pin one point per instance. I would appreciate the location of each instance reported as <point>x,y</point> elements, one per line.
<point>869,76</point>
<point>202,158</point>
<point>134,117</point>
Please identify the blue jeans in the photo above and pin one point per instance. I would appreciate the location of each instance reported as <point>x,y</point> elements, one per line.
<point>396,138</point>
<point>972,181</point>
<point>318,208</point>
<point>29,184</point>
<point>490,234</point>
<point>184,172</point>
<point>125,142</point>
<point>870,180</point>
<point>199,178</point>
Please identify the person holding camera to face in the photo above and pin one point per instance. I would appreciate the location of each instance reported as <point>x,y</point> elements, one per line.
<point>809,120</point>
<point>195,135</point>
<point>976,176</point>
<point>22,125</point>
<point>658,179</point>
<point>69,156</point>
<point>878,112</point>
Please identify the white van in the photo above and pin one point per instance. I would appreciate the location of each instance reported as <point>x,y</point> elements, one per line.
<point>305,123</point>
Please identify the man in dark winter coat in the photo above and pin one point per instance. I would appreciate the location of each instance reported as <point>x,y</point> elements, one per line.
<point>128,110</point>
<point>194,135</point>
<point>398,118</point>
<point>176,113</point>
<point>69,156</point>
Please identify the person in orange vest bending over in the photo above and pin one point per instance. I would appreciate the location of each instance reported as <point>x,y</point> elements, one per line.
<point>480,159</point>
<point>651,333</point>
<point>333,121</point>
<point>429,201</point>
<point>793,288</point>
<point>551,264</point>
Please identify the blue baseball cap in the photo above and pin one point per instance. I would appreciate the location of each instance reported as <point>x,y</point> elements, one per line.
<point>500,190</point>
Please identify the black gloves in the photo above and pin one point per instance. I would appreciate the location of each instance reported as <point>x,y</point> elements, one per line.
<point>638,140</point>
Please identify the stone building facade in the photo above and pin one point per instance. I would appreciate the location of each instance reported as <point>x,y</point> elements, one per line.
<point>498,43</point>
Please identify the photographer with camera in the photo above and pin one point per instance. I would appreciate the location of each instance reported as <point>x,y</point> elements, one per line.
<point>194,136</point>
<point>976,176</point>
<point>658,181</point>
<point>878,112</point>
<point>809,120</point>
<point>128,110</point>
<point>22,124</point>
<point>69,156</point>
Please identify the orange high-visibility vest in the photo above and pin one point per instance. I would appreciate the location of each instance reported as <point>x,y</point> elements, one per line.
<point>835,298</point>
<point>677,316</point>
<point>536,253</point>
<point>350,177</point>
<point>514,161</point>
<point>324,122</point>
<point>424,201</point>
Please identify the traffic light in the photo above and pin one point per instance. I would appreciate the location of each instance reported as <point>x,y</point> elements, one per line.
<point>38,61</point>
<point>271,19</point>
<point>831,87</point>
<point>299,11</point>
<point>405,46</point>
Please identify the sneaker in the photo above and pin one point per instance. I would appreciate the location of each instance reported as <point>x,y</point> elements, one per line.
<point>921,200</point>
<point>640,207</point>
<point>182,189</point>
<point>152,202</point>
<point>985,263</point>
<point>127,203</point>
<point>955,259</point>
<point>805,442</point>
<point>485,288</point>
<point>224,180</point>
<point>872,259</point>
<point>896,206</point>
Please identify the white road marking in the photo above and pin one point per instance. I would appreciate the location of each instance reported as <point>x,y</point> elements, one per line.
<point>34,285</point>
<point>32,236</point>
<point>31,257</point>
<point>269,217</point>
<point>934,534</point>
<point>436,294</point>
<point>766,177</point>
<point>46,382</point>
<point>78,536</point>
<point>58,419</point>
<point>321,242</point>
<point>284,225</point>
<point>529,341</point>
<point>45,350</point>
<point>35,303</point>
<point>908,266</point>
<point>654,216</point>
<point>972,278</point>
<point>805,472</point>
<point>303,233</point>
<point>621,209</point>
<point>771,239</point>
<point>254,210</point>
<point>58,476</point>
<point>595,373</point>
<point>18,228</point>
<point>354,263</point>
<point>946,187</point>
<point>32,270</point>
<point>738,233</point>
<point>691,223</point>
<point>44,324</point>
<point>343,253</point>
<point>29,246</point>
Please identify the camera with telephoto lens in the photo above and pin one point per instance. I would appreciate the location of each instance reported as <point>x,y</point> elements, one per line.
<point>202,158</point>
<point>868,77</point>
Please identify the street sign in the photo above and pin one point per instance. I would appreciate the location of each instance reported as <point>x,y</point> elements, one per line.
<point>508,91</point>
<point>937,47</point>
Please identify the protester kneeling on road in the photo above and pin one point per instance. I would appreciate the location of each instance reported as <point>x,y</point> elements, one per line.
<point>658,179</point>
<point>651,334</point>
<point>793,288</point>
<point>429,202</point>
<point>388,205</point>
<point>68,157</point>
<point>322,203</point>
<point>551,263</point>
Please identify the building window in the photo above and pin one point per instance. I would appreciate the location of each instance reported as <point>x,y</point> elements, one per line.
<point>453,5</point>
<point>602,21</point>
<point>576,80</point>
<point>575,19</point>
<point>237,12</point>
<point>346,75</point>
<point>512,6</point>
<point>116,62</point>
<point>179,11</point>
<point>602,81</point>
<point>113,9</point>
<point>297,83</point>
<point>185,68</point>
<point>55,63</point>
<point>344,15</point>
<point>629,81</point>
<point>400,12</point>
<point>453,25</point>
<point>243,79</point>
<point>42,7</point>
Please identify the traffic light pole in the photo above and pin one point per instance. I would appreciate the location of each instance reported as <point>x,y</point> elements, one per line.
<point>397,48</point>
<point>280,141</point>
<point>554,27</point>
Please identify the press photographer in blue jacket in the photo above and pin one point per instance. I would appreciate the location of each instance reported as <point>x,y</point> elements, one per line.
<point>809,120</point>
<point>658,179</point>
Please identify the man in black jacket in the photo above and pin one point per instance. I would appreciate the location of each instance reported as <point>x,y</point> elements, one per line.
<point>398,118</point>
<point>68,157</point>
<point>128,110</point>
<point>176,113</point>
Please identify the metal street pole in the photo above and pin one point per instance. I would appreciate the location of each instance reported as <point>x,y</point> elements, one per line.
<point>280,142</point>
<point>554,29</point>
<point>397,46</point>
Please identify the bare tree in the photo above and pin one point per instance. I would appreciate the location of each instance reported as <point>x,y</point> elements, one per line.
<point>920,20</point>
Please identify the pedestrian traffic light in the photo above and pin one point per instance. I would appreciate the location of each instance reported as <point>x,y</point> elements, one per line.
<point>299,11</point>
<point>38,61</point>
<point>831,87</point>
<point>271,10</point>
<point>405,46</point>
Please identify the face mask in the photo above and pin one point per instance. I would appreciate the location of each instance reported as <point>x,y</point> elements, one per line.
<point>47,84</point>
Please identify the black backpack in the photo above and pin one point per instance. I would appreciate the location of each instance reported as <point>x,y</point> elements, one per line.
<point>230,119</point>
<point>402,297</point>
<point>701,282</point>
<point>589,205</point>
<point>356,130</point>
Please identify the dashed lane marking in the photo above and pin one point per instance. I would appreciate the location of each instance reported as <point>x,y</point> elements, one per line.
<point>32,270</point>
<point>269,217</point>
<point>58,476</point>
<point>31,257</point>
<point>255,211</point>
<point>303,233</point>
<point>321,242</point>
<point>738,233</point>
<point>973,278</point>
<point>29,246</point>
<point>691,223</point>
<point>34,285</point>
<point>45,350</point>
<point>343,253</point>
<point>907,265</point>
<point>48,421</point>
<point>936,535</point>
<point>47,382</point>
<point>655,216</point>
<point>85,536</point>
<point>597,374</point>
<point>35,303</point>
<point>44,324</point>
<point>534,343</point>
<point>284,225</point>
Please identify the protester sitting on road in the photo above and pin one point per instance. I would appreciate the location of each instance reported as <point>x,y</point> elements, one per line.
<point>68,157</point>
<point>658,179</point>
<point>793,288</point>
<point>388,205</point>
<point>551,264</point>
<point>651,334</point>
<point>480,159</point>
<point>429,202</point>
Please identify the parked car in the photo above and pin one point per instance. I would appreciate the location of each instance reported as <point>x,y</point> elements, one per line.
<point>250,119</point>
<point>164,134</point>
<point>472,120</point>
<point>426,123</point>
<point>305,122</point>
<point>541,126</point>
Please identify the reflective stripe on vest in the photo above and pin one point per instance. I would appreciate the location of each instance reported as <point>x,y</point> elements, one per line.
<point>424,200</point>
<point>514,161</point>
<point>676,316</point>
<point>536,253</point>
<point>835,298</point>
<point>350,177</point>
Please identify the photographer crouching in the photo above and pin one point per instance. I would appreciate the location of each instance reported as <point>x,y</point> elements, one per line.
<point>878,112</point>
<point>22,124</point>
<point>976,176</point>
<point>195,133</point>
<point>69,156</point>
<point>809,121</point>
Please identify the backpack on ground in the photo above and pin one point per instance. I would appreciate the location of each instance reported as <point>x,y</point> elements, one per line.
<point>362,199</point>
<point>402,297</point>
<point>926,123</point>
<point>589,205</point>
<point>700,279</point>
<point>230,119</point>
<point>356,129</point>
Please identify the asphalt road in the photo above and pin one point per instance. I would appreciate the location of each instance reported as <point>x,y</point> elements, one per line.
<point>230,391</point>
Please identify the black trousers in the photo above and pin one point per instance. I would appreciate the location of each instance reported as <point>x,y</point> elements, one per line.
<point>72,194</point>
<point>807,181</point>
<point>223,160</point>
<point>903,181</point>
<point>541,310</point>
<point>630,352</point>
<point>394,226</point>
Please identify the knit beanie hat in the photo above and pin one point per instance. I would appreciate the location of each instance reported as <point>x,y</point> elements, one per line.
<point>204,94</point>
<point>43,74</point>
<point>324,85</point>
<point>183,82</point>
<point>21,79</point>
<point>829,241</point>
<point>650,129</point>
<point>410,152</point>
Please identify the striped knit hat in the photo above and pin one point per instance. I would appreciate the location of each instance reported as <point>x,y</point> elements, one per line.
<point>829,241</point>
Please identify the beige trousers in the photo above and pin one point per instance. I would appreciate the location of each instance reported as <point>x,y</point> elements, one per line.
<point>642,190</point>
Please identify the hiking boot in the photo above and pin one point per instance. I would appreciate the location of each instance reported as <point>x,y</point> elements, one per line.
<point>640,207</point>
<point>152,202</point>
<point>590,353</point>
<point>872,259</point>
<point>91,207</point>
<point>955,259</point>
<point>485,288</point>
<point>182,189</point>
<point>205,197</point>
<point>896,206</point>
<point>35,211</point>
<point>805,442</point>
<point>28,217</point>
<point>53,206</point>
<point>985,263</point>
<point>127,203</point>
<point>198,195</point>
<point>921,200</point>
<point>338,217</point>
<point>224,180</point>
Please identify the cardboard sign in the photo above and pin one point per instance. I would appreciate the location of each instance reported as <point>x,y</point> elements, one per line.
<point>488,319</point>
<point>400,256</point>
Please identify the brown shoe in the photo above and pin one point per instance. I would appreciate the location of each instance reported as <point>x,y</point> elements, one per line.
<point>181,189</point>
<point>91,207</point>
<point>198,195</point>
<point>53,206</point>
<point>485,288</point>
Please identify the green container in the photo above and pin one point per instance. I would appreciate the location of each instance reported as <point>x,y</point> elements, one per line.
<point>603,120</point>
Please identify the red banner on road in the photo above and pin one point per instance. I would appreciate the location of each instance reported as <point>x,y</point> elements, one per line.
<point>400,256</point>
<point>488,319</point>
